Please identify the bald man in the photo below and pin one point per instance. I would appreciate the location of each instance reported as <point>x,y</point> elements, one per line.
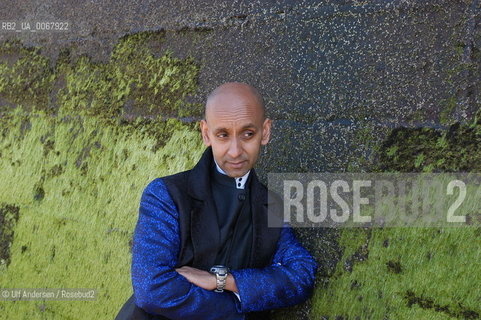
<point>202,246</point>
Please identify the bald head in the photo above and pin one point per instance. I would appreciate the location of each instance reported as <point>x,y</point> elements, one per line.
<point>235,127</point>
<point>242,92</point>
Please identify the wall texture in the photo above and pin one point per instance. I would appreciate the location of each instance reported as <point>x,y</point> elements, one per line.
<point>328,69</point>
<point>352,86</point>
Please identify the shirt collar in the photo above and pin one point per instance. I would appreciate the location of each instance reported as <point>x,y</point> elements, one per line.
<point>239,182</point>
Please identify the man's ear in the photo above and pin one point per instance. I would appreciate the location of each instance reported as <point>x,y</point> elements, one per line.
<point>204,130</point>
<point>266,131</point>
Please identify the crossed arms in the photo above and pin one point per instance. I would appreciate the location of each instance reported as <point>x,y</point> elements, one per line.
<point>160,289</point>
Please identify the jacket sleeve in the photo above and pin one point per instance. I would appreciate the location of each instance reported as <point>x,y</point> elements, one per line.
<point>289,280</point>
<point>158,288</point>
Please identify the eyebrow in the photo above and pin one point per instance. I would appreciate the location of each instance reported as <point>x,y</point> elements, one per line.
<point>247,126</point>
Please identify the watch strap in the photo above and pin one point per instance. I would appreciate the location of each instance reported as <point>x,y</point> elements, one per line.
<point>221,274</point>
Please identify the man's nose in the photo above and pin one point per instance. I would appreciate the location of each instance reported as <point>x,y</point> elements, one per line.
<point>235,149</point>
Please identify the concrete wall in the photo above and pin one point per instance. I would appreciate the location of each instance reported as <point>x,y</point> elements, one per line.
<point>327,68</point>
<point>343,80</point>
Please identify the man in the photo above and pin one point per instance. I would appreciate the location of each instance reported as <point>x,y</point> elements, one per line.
<point>216,215</point>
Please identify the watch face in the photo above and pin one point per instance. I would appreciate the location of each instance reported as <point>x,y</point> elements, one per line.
<point>218,269</point>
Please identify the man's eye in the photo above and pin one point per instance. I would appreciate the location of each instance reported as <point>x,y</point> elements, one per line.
<point>248,134</point>
<point>221,135</point>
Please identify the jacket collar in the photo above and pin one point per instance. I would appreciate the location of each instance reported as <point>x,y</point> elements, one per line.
<point>204,225</point>
<point>199,186</point>
<point>199,180</point>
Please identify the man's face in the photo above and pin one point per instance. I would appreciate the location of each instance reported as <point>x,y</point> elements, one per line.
<point>235,128</point>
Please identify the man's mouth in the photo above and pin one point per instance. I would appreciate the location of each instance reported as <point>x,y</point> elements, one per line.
<point>236,165</point>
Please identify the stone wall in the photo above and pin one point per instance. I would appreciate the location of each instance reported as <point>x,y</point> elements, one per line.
<point>328,69</point>
<point>352,85</point>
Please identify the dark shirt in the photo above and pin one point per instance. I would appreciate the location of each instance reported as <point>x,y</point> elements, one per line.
<point>234,219</point>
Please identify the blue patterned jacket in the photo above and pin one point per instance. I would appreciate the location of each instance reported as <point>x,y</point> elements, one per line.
<point>176,227</point>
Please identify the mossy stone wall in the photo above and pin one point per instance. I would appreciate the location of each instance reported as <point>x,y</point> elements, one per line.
<point>351,85</point>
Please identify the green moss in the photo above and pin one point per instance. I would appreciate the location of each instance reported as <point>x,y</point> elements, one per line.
<point>77,219</point>
<point>419,160</point>
<point>8,219</point>
<point>25,75</point>
<point>133,82</point>
<point>365,139</point>
<point>431,150</point>
<point>448,107</point>
<point>400,261</point>
<point>80,140</point>
<point>410,273</point>
<point>459,49</point>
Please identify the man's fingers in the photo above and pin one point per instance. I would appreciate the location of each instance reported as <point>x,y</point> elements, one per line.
<point>198,277</point>
<point>184,269</point>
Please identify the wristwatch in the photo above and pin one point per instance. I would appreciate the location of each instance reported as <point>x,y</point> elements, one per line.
<point>221,273</point>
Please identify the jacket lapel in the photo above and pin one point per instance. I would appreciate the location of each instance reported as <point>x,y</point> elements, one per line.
<point>205,232</point>
<point>264,239</point>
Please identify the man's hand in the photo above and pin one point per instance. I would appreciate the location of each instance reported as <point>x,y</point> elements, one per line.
<point>198,277</point>
<point>205,279</point>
